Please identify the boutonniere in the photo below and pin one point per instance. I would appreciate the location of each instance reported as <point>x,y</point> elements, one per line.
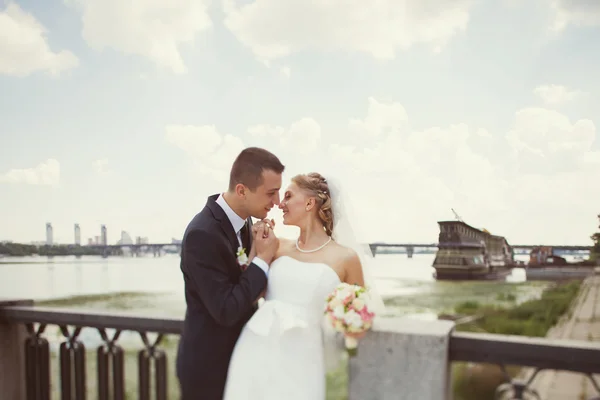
<point>242,258</point>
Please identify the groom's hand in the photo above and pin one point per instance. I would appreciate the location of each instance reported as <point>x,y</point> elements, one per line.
<point>268,224</point>
<point>266,244</point>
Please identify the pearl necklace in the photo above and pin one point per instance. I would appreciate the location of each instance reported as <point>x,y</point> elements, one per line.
<point>312,251</point>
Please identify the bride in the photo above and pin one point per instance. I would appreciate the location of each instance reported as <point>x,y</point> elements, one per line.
<point>280,352</point>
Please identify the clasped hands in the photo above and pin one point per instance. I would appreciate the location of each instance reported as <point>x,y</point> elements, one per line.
<point>265,241</point>
<point>266,224</point>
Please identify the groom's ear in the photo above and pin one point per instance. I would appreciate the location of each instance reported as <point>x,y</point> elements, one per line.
<point>240,190</point>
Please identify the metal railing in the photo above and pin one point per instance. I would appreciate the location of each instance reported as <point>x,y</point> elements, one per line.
<point>538,353</point>
<point>72,352</point>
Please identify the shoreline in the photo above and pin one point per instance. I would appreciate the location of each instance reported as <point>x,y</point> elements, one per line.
<point>583,323</point>
<point>543,317</point>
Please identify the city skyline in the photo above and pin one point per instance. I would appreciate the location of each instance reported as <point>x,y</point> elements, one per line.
<point>486,107</point>
<point>125,238</point>
<point>101,239</point>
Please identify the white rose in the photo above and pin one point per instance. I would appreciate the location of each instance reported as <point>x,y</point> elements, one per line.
<point>342,294</point>
<point>335,302</point>
<point>339,312</point>
<point>353,319</point>
<point>358,304</point>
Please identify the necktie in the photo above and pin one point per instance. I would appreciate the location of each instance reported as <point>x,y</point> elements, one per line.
<point>245,238</point>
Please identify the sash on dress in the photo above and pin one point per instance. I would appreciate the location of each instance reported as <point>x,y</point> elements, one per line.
<point>280,314</point>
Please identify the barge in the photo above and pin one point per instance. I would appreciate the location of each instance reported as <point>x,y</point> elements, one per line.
<point>468,253</point>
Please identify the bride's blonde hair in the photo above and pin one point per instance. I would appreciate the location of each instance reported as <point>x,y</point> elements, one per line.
<point>315,184</point>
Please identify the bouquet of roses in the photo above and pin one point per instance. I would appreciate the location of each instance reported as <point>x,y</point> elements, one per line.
<point>347,309</point>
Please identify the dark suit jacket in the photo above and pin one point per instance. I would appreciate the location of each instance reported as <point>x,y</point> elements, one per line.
<point>219,298</point>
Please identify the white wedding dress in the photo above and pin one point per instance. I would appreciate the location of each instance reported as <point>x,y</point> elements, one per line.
<point>279,354</point>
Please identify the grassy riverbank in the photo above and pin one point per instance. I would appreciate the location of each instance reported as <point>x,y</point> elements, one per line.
<point>530,318</point>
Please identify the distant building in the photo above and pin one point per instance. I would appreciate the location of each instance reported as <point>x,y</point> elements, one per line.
<point>77,235</point>
<point>141,240</point>
<point>103,235</point>
<point>49,234</point>
<point>125,238</point>
<point>90,242</point>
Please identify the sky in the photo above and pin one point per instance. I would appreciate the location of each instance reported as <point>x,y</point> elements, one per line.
<point>130,113</point>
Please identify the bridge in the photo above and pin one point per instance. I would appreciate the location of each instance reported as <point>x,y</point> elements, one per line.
<point>409,248</point>
<point>157,249</point>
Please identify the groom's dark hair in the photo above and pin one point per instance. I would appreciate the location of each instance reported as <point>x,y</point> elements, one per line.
<point>249,165</point>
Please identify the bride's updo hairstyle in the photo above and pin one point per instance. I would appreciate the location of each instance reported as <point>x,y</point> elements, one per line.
<point>315,184</point>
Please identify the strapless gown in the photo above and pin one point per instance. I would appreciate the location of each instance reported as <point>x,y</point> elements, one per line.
<point>279,354</point>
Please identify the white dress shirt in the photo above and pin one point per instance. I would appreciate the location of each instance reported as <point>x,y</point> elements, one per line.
<point>238,223</point>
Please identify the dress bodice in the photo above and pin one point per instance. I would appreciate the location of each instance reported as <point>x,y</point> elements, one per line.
<point>296,294</point>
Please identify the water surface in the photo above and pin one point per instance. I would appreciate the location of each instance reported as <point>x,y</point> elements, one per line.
<point>154,284</point>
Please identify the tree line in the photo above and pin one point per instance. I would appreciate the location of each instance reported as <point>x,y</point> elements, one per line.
<point>22,250</point>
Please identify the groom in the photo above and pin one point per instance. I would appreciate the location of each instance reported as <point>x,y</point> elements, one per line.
<point>220,291</point>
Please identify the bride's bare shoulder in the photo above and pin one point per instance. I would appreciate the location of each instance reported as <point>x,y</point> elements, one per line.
<point>343,251</point>
<point>349,261</point>
<point>345,255</point>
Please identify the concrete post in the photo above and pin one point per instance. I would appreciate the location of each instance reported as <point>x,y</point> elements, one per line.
<point>12,354</point>
<point>402,359</point>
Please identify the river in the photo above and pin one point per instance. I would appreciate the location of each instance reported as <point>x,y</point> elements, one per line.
<point>154,285</point>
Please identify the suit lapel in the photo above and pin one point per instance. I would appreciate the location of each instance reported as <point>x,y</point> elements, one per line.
<point>220,216</point>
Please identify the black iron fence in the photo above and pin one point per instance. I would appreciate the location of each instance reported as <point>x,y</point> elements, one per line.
<point>537,353</point>
<point>110,363</point>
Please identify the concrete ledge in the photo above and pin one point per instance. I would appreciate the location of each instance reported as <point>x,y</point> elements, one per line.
<point>402,358</point>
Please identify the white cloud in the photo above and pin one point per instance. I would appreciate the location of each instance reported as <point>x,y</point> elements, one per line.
<point>575,12</point>
<point>197,140</point>
<point>381,118</point>
<point>546,141</point>
<point>100,166</point>
<point>411,178</point>
<point>211,153</point>
<point>399,182</point>
<point>302,137</point>
<point>24,47</point>
<point>275,29</point>
<point>555,95</point>
<point>592,158</point>
<point>286,71</point>
<point>47,173</point>
<point>154,29</point>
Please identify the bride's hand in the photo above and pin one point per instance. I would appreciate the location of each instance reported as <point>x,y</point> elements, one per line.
<point>269,224</point>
